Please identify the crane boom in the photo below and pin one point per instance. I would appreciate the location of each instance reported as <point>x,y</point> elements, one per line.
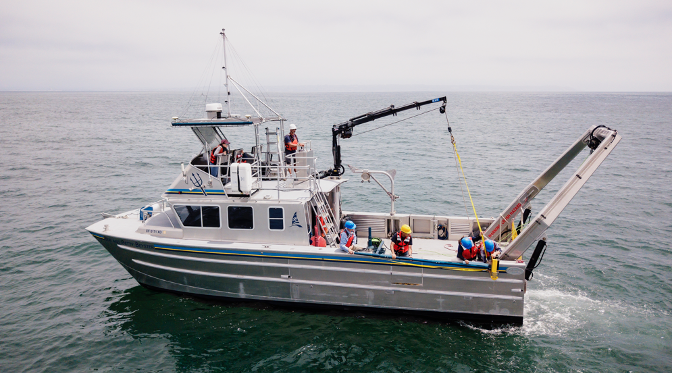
<point>345,129</point>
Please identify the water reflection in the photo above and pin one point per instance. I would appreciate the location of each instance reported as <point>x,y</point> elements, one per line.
<point>206,335</point>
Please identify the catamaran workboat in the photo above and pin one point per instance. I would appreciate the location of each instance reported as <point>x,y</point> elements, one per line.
<point>241,227</point>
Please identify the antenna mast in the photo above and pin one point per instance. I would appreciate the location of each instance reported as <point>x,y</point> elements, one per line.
<point>226,73</point>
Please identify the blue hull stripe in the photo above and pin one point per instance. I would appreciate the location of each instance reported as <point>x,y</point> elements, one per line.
<point>195,191</point>
<point>368,259</point>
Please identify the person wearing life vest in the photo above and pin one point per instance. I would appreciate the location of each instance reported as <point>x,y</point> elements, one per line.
<point>291,145</point>
<point>318,240</point>
<point>348,240</point>
<point>220,150</point>
<point>401,242</point>
<point>490,250</point>
<point>467,250</point>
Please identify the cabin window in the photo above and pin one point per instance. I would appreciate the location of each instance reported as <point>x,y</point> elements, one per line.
<point>276,218</point>
<point>240,217</point>
<point>199,216</point>
<point>211,216</point>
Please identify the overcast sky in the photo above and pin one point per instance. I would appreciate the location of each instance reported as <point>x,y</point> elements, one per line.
<point>494,45</point>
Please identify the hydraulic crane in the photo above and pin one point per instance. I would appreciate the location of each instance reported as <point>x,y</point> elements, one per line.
<point>345,129</point>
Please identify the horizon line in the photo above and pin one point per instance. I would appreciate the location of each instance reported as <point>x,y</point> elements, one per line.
<point>345,89</point>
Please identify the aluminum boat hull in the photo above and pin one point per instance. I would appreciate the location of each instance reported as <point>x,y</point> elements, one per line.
<point>444,290</point>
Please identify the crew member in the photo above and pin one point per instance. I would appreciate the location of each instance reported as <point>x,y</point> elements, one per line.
<point>291,144</point>
<point>401,242</point>
<point>467,250</point>
<point>491,250</point>
<point>220,150</point>
<point>348,240</point>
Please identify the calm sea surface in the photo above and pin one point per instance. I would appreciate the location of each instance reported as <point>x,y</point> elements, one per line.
<point>599,302</point>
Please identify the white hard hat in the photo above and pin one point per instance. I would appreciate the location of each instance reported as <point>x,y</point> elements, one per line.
<point>293,127</point>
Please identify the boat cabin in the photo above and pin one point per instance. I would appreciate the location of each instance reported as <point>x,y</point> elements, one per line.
<point>256,196</point>
<point>261,195</point>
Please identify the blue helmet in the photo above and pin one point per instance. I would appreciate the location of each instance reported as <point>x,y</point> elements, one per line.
<point>350,225</point>
<point>467,243</point>
<point>490,245</point>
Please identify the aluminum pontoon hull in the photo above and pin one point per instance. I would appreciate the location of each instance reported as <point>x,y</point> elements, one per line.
<point>337,281</point>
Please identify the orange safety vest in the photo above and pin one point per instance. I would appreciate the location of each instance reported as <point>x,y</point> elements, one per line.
<point>213,156</point>
<point>403,246</point>
<point>488,255</point>
<point>470,254</point>
<point>293,144</point>
<point>350,239</point>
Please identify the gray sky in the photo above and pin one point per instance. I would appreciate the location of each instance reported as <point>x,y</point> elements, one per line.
<point>459,45</point>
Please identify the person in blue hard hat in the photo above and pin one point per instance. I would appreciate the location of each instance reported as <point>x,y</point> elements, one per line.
<point>491,250</point>
<point>468,250</point>
<point>348,239</point>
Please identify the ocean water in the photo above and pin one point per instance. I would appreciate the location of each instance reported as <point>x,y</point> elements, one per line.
<point>599,302</point>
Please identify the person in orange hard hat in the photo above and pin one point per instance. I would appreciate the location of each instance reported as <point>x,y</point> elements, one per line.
<point>400,242</point>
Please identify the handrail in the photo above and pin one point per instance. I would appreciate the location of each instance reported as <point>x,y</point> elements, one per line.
<point>265,172</point>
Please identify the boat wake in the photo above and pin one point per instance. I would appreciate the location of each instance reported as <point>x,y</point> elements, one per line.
<point>554,312</point>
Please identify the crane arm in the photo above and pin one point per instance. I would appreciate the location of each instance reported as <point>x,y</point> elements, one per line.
<point>345,129</point>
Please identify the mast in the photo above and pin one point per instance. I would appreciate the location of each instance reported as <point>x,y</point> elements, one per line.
<point>226,73</point>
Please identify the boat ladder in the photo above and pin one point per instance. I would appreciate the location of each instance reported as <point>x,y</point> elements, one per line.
<point>273,147</point>
<point>324,213</point>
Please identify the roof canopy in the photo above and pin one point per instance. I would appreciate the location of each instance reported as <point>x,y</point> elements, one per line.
<point>216,122</point>
<point>221,122</point>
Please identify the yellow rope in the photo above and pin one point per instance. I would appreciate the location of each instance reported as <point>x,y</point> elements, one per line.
<point>468,188</point>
